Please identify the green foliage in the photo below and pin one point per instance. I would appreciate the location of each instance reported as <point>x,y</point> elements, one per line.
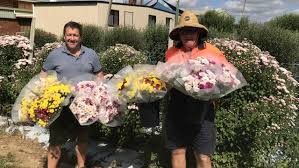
<point>220,20</point>
<point>92,37</point>
<point>257,125</point>
<point>42,37</point>
<point>117,57</point>
<point>123,35</point>
<point>243,24</point>
<point>8,57</point>
<point>281,43</point>
<point>17,73</point>
<point>156,42</point>
<point>214,33</point>
<point>288,21</point>
<point>126,134</point>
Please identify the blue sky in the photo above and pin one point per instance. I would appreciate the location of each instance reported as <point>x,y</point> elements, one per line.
<point>256,10</point>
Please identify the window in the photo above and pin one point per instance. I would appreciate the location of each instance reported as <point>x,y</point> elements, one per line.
<point>128,18</point>
<point>151,20</point>
<point>168,22</point>
<point>113,18</point>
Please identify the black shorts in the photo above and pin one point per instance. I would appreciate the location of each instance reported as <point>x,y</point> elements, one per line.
<point>67,127</point>
<point>200,137</point>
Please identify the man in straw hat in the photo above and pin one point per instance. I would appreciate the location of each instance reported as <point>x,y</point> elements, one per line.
<point>190,122</point>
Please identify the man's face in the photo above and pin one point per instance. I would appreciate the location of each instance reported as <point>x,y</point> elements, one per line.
<point>72,38</point>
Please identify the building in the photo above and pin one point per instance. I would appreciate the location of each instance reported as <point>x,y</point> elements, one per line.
<point>52,15</point>
<point>15,16</point>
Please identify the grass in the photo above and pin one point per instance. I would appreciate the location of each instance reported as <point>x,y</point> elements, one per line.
<point>8,161</point>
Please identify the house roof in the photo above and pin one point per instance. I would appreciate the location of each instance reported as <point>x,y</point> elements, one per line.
<point>163,5</point>
<point>158,5</point>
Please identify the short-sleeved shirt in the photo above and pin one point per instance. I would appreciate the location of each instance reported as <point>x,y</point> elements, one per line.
<point>69,66</point>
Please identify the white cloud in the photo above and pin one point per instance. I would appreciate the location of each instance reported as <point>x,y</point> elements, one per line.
<point>296,11</point>
<point>258,10</point>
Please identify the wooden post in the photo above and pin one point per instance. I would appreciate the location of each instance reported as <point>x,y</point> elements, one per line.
<point>32,32</point>
<point>177,11</point>
<point>171,26</point>
<point>108,14</point>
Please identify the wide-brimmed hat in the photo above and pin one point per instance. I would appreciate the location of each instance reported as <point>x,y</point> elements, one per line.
<point>187,19</point>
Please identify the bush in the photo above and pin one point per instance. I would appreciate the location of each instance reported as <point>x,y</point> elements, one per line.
<point>117,57</point>
<point>281,43</point>
<point>14,51</point>
<point>214,33</point>
<point>123,35</point>
<point>257,125</point>
<point>92,37</point>
<point>42,37</point>
<point>288,21</point>
<point>18,73</point>
<point>220,20</point>
<point>156,43</point>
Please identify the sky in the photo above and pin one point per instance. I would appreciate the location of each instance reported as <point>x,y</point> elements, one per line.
<point>256,10</point>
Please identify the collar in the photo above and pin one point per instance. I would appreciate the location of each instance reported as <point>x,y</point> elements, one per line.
<point>65,49</point>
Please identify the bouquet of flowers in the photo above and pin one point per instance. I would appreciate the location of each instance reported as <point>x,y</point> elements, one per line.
<point>123,84</point>
<point>93,102</point>
<point>109,106</point>
<point>41,100</point>
<point>205,78</point>
<point>149,87</point>
<point>139,85</point>
<point>83,106</point>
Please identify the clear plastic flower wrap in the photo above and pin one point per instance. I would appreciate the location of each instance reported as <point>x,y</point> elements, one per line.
<point>41,100</point>
<point>203,78</point>
<point>139,84</point>
<point>109,106</point>
<point>149,87</point>
<point>93,102</point>
<point>122,84</point>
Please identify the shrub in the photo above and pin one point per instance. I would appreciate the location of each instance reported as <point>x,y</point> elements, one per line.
<point>12,49</point>
<point>256,125</point>
<point>156,43</point>
<point>117,57</point>
<point>220,20</point>
<point>42,37</point>
<point>281,43</point>
<point>126,134</point>
<point>123,35</point>
<point>19,74</point>
<point>288,21</point>
<point>214,33</point>
<point>92,37</point>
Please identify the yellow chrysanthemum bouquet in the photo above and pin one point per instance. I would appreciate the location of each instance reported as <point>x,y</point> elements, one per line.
<point>139,85</point>
<point>41,100</point>
<point>122,84</point>
<point>149,87</point>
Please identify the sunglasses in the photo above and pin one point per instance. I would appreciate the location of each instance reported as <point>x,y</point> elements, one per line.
<point>188,30</point>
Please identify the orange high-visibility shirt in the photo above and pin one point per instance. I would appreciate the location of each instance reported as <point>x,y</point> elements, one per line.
<point>177,55</point>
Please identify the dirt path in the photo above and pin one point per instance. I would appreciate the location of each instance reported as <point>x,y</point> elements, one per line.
<point>28,153</point>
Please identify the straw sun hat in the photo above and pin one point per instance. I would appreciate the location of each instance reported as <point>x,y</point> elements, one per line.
<point>187,19</point>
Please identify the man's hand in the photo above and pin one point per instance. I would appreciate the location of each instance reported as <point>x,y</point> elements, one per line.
<point>100,76</point>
